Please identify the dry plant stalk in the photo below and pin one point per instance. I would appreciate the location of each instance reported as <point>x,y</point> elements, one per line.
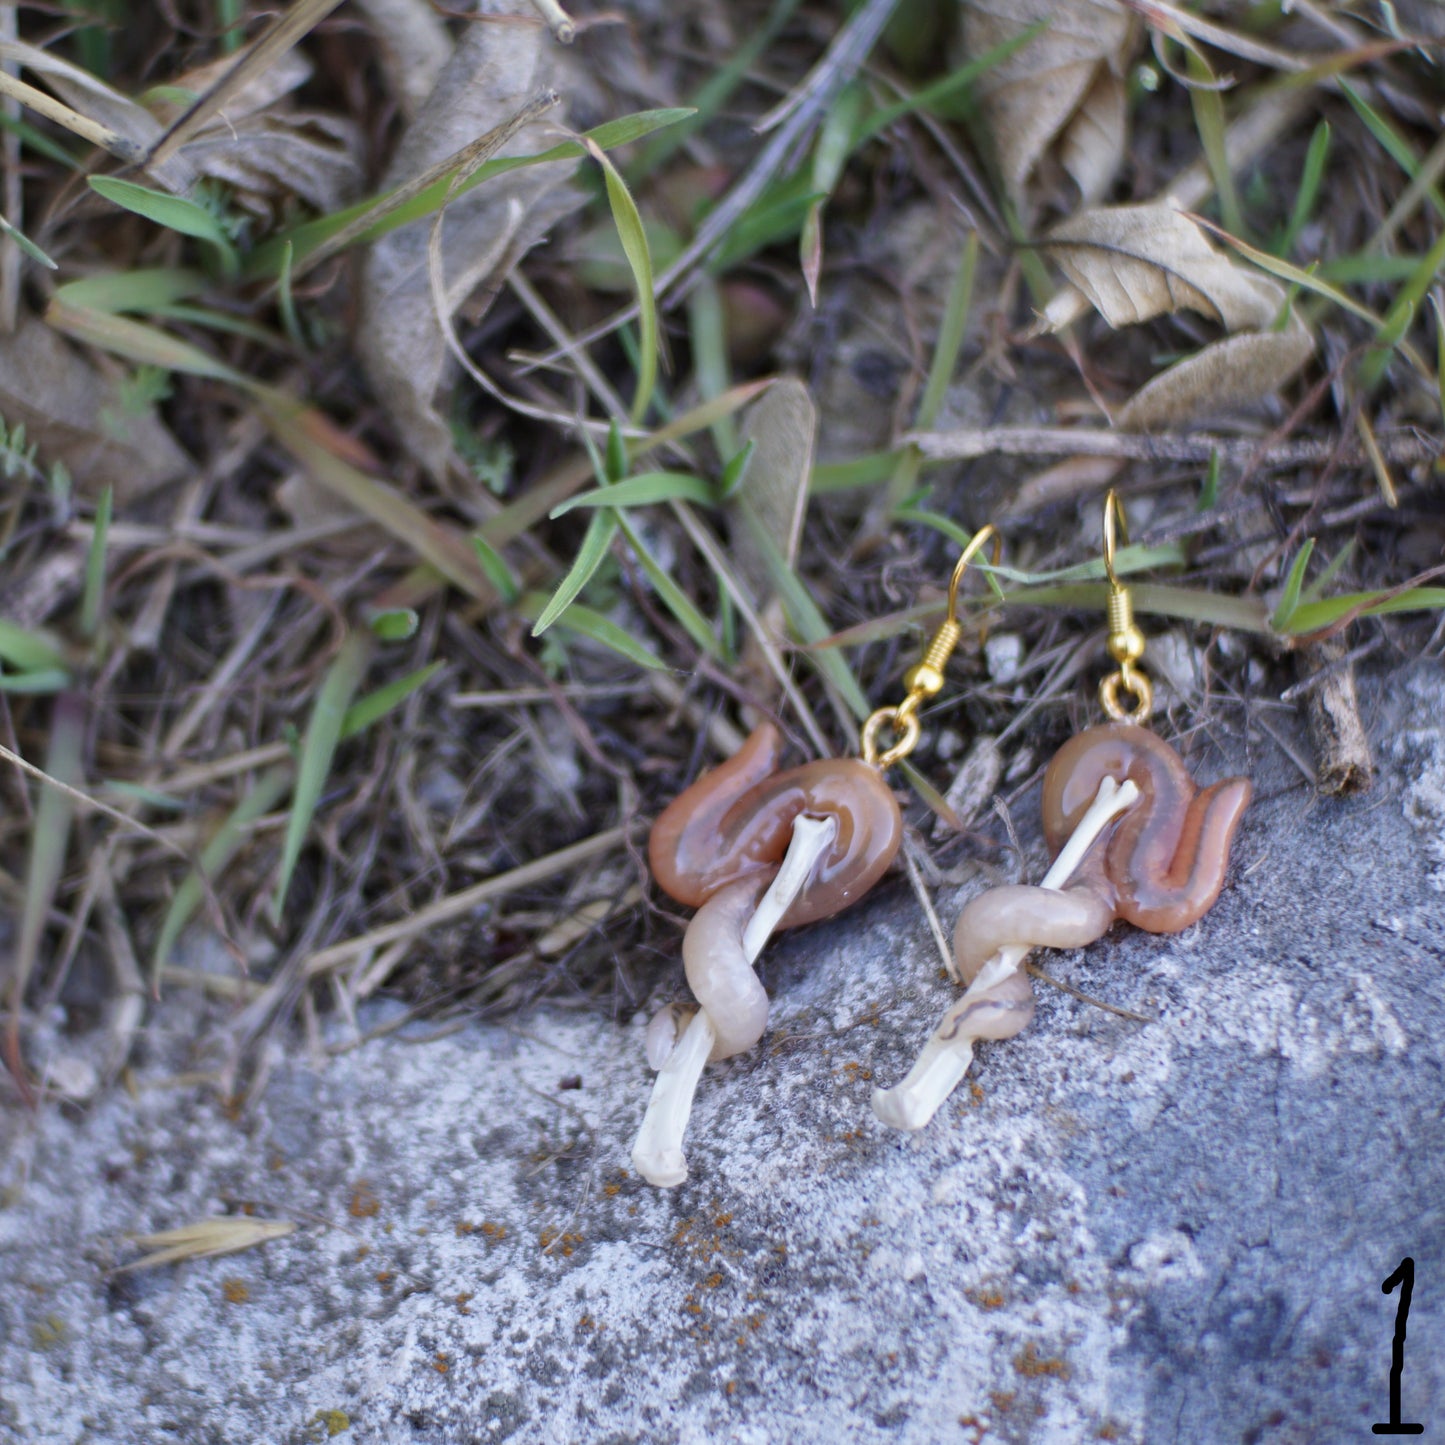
<point>1344,763</point>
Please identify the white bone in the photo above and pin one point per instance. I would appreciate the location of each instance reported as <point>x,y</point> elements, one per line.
<point>949,1051</point>
<point>657,1155</point>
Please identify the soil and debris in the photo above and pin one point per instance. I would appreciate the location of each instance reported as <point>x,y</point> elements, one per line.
<point>279,482</point>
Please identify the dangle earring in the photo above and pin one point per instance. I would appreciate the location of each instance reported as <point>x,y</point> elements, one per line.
<point>753,850</point>
<point>1131,838</point>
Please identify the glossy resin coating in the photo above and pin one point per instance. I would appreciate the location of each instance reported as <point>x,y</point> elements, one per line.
<point>1164,864</point>
<point>1132,838</point>
<point>735,823</point>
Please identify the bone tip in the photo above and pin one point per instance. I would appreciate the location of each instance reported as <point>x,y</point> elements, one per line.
<point>901,1108</point>
<point>663,1031</point>
<point>666,1169</point>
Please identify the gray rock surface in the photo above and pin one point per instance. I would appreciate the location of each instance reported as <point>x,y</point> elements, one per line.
<point>1171,1232</point>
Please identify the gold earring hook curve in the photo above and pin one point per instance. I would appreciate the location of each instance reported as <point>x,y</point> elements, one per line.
<point>925,678</point>
<point>976,542</point>
<point>1113,508</point>
<point>1126,641</point>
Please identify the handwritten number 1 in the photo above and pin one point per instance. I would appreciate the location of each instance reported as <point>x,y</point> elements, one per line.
<point>1404,1276</point>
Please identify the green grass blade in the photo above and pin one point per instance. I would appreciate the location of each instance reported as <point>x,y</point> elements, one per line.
<point>600,532</point>
<point>711,365</point>
<point>28,651</point>
<point>644,490</point>
<point>734,472</point>
<point>1439,350</point>
<point>940,372</point>
<point>1289,598</point>
<point>1316,159</point>
<point>371,219</point>
<point>1367,269</point>
<point>27,245</point>
<point>956,84</point>
<point>1209,488</point>
<point>1208,106</point>
<point>139,342</point>
<point>1136,557</point>
<point>617,463</point>
<point>318,747</point>
<point>49,838</point>
<point>286,299</point>
<point>34,684</point>
<point>95,566</point>
<point>633,235</point>
<point>715,90</point>
<point>1391,141</point>
<point>1313,591</point>
<point>375,705</point>
<point>864,471</point>
<point>40,143</point>
<point>589,623</point>
<point>830,155</point>
<point>223,846</point>
<point>1402,313</point>
<point>499,574</point>
<point>392,624</point>
<point>1313,616</point>
<point>808,622</point>
<point>141,290</point>
<point>175,213</point>
<point>673,597</point>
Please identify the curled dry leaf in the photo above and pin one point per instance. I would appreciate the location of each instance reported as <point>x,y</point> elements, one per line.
<point>771,499</point>
<point>1137,262</point>
<point>414,47</point>
<point>263,147</point>
<point>1231,372</point>
<point>84,417</point>
<point>1133,263</point>
<point>781,426</point>
<point>1066,85</point>
<point>497,66</point>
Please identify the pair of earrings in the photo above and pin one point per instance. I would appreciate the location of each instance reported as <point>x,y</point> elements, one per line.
<point>755,849</point>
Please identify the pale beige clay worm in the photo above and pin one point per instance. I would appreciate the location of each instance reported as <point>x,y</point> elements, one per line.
<point>752,849</point>
<point>1159,863</point>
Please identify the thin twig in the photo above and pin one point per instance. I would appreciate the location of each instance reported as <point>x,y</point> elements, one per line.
<point>964,443</point>
<point>1089,998</point>
<point>456,905</point>
<point>558,21</point>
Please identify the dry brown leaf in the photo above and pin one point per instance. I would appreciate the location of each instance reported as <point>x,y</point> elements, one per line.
<point>97,102</point>
<point>1137,262</point>
<point>1065,84</point>
<point>1092,145</point>
<point>414,44</point>
<point>1234,371</point>
<point>782,425</point>
<point>266,149</point>
<point>271,157</point>
<point>495,69</point>
<point>81,416</point>
<point>1133,263</point>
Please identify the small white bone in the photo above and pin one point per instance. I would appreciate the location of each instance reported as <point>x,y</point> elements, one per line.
<point>949,1051</point>
<point>657,1155</point>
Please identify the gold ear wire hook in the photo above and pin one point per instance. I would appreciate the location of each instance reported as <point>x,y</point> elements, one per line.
<point>1126,641</point>
<point>925,678</point>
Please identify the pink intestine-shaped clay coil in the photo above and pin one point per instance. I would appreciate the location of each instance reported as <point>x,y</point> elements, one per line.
<point>1161,868</point>
<point>1160,865</point>
<point>752,849</point>
<point>719,844</point>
